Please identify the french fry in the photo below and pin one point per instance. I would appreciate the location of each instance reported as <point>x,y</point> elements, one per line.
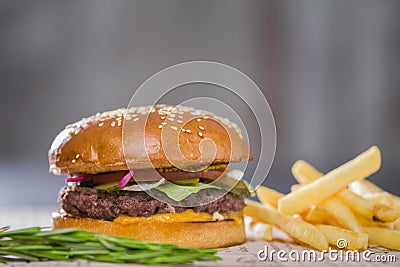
<point>295,187</point>
<point>342,214</point>
<point>384,198</point>
<point>317,214</point>
<point>268,196</point>
<point>385,213</point>
<point>332,221</point>
<point>371,191</point>
<point>396,224</point>
<point>295,227</point>
<point>358,204</point>
<point>380,198</point>
<point>353,240</point>
<point>367,208</point>
<point>305,173</point>
<point>316,192</point>
<point>364,187</point>
<point>364,222</point>
<point>259,230</point>
<point>383,237</point>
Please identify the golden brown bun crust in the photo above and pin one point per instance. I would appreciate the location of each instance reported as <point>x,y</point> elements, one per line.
<point>194,234</point>
<point>94,144</point>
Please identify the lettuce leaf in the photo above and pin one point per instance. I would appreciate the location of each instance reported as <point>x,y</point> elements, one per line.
<point>179,192</point>
<point>144,186</point>
<point>231,182</point>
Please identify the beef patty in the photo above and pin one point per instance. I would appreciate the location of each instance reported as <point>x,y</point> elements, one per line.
<point>97,204</point>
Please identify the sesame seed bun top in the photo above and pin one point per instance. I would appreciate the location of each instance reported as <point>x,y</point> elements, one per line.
<point>95,144</point>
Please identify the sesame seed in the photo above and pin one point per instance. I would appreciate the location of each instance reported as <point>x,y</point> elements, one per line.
<point>135,119</point>
<point>77,156</point>
<point>163,123</point>
<point>160,126</point>
<point>179,121</point>
<point>101,124</point>
<point>200,134</point>
<point>73,161</point>
<point>113,124</point>
<point>119,123</point>
<point>172,115</point>
<point>201,128</point>
<point>180,116</point>
<point>174,128</point>
<point>162,117</point>
<point>171,119</point>
<point>198,119</point>
<point>188,131</point>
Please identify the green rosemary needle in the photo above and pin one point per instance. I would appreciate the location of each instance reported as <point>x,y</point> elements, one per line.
<point>39,244</point>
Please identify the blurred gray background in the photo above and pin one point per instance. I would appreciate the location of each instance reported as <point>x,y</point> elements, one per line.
<point>329,69</point>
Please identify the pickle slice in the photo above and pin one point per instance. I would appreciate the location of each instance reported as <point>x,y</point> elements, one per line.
<point>108,187</point>
<point>186,182</point>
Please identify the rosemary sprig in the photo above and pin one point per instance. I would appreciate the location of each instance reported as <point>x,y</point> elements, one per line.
<point>38,244</point>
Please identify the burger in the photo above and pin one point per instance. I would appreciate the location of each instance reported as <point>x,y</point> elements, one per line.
<point>111,187</point>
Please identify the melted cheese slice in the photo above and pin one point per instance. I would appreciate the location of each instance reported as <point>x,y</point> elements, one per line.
<point>186,216</point>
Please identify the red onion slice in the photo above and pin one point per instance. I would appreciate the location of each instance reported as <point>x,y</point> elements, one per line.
<point>79,178</point>
<point>126,179</point>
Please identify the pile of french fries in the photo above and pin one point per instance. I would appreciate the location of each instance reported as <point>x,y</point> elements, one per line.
<point>339,208</point>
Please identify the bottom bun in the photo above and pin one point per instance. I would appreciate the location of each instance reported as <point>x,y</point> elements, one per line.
<point>192,234</point>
